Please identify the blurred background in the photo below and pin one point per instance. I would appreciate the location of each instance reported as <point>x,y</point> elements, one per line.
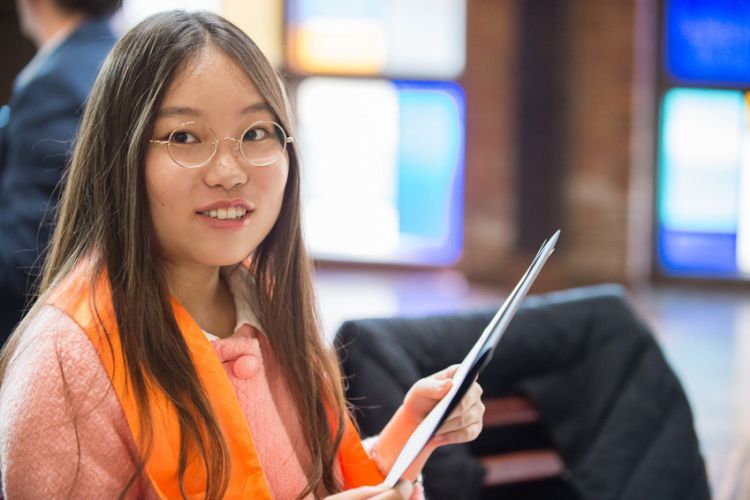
<point>444,140</point>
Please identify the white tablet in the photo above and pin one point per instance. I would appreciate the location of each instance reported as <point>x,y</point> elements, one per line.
<point>470,367</point>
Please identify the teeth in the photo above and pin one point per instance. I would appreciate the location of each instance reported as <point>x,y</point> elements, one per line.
<point>226,213</point>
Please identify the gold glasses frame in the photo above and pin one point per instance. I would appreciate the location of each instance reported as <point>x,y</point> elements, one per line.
<point>286,139</point>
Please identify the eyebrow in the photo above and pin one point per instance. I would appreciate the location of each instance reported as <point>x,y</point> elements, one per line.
<point>254,108</point>
<point>188,111</point>
<point>177,111</point>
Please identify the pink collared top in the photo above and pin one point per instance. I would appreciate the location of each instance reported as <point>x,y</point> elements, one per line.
<point>56,377</point>
<point>262,391</point>
<point>63,432</point>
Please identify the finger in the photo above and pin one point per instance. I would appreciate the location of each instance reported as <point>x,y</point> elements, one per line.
<point>404,487</point>
<point>431,388</point>
<point>463,435</point>
<point>402,491</point>
<point>471,397</point>
<point>362,493</point>
<point>473,393</point>
<point>471,416</point>
<point>437,384</point>
<point>445,373</point>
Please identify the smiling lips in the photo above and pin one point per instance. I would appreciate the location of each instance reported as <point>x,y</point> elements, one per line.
<point>231,213</point>
<point>227,211</point>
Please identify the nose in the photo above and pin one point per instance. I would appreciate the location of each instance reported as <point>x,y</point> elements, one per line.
<point>226,168</point>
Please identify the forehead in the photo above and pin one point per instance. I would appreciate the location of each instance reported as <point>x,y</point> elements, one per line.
<point>211,81</point>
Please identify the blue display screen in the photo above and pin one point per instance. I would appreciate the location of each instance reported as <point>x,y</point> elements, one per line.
<point>708,41</point>
<point>384,169</point>
<point>704,182</point>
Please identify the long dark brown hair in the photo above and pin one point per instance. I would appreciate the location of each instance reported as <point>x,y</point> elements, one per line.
<point>105,183</point>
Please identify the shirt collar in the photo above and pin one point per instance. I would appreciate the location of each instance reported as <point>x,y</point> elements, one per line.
<point>237,278</point>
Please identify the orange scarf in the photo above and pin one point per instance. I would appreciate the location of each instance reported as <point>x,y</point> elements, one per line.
<point>247,478</point>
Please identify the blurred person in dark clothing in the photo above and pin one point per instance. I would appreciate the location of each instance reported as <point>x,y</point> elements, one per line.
<point>37,130</point>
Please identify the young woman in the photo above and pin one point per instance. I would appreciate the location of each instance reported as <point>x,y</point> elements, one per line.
<point>174,349</point>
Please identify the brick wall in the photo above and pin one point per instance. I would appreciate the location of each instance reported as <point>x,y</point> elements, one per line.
<point>606,188</point>
<point>491,89</point>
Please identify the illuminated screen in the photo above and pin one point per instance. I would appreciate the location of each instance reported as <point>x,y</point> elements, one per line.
<point>403,38</point>
<point>382,169</point>
<point>708,41</point>
<point>704,183</point>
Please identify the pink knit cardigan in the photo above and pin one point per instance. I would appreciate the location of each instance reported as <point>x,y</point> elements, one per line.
<point>64,434</point>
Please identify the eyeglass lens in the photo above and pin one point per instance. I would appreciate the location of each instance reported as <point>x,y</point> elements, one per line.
<point>193,144</point>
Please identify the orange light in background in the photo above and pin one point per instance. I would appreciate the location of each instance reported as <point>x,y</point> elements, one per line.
<point>262,20</point>
<point>330,45</point>
<point>422,39</point>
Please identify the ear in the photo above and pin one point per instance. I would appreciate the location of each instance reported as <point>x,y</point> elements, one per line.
<point>28,11</point>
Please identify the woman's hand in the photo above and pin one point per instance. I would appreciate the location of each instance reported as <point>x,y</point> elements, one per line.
<point>463,424</point>
<point>402,491</point>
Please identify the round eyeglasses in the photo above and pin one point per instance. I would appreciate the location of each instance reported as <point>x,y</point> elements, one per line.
<point>193,144</point>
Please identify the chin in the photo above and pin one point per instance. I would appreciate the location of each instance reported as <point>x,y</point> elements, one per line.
<point>228,261</point>
<point>225,257</point>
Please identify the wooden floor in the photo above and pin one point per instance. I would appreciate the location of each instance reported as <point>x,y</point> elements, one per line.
<point>706,338</point>
<point>705,335</point>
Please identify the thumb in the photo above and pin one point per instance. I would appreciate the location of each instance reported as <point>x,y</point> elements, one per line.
<point>446,373</point>
<point>404,488</point>
<point>432,388</point>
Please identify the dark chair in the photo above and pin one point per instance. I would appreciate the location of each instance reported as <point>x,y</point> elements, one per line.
<point>580,401</point>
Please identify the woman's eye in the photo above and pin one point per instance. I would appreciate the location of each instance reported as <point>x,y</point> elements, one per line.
<point>256,134</point>
<point>183,137</point>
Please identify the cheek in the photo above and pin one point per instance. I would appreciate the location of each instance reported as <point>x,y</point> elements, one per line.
<point>269,187</point>
<point>158,208</point>
<point>269,184</point>
<point>164,192</point>
<point>283,178</point>
<point>279,187</point>
<point>156,193</point>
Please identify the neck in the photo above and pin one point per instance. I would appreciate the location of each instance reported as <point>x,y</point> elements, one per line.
<point>201,291</point>
<point>194,286</point>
